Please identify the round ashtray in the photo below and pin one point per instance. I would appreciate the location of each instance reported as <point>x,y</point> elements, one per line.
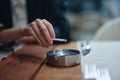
<point>64,57</point>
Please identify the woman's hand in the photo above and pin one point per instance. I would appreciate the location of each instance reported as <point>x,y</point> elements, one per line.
<point>41,30</point>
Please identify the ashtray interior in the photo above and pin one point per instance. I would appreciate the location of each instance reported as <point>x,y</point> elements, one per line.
<point>63,52</point>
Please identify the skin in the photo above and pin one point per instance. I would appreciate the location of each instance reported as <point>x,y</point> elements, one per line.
<point>39,30</point>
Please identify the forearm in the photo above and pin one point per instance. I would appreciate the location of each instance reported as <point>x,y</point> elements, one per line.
<point>12,34</point>
<point>27,40</point>
<point>40,30</point>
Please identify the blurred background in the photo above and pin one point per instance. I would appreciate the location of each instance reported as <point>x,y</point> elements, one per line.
<point>87,16</point>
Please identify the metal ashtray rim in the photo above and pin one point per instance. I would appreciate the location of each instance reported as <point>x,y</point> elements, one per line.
<point>63,57</point>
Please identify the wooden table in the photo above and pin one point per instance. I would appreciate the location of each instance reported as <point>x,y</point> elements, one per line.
<point>29,63</point>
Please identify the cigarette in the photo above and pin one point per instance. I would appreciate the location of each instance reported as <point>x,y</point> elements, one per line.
<point>61,40</point>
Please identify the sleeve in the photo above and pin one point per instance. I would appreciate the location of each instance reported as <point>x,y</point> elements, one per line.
<point>54,13</point>
<point>2,28</point>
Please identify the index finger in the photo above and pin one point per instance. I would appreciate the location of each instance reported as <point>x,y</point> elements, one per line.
<point>49,27</point>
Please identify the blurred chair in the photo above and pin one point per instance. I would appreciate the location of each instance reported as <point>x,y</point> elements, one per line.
<point>110,31</point>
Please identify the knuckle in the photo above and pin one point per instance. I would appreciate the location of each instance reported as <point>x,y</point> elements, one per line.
<point>30,33</point>
<point>49,24</point>
<point>27,31</point>
<point>37,20</point>
<point>44,29</point>
<point>30,30</point>
<point>32,24</point>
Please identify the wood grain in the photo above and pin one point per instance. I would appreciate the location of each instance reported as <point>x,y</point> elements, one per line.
<point>29,63</point>
<point>59,73</point>
<point>23,64</point>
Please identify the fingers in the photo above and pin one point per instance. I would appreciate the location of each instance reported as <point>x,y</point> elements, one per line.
<point>36,33</point>
<point>50,28</point>
<point>42,31</point>
<point>45,32</point>
<point>29,31</point>
<point>39,34</point>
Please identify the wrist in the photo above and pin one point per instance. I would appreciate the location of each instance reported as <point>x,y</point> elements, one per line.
<point>22,31</point>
